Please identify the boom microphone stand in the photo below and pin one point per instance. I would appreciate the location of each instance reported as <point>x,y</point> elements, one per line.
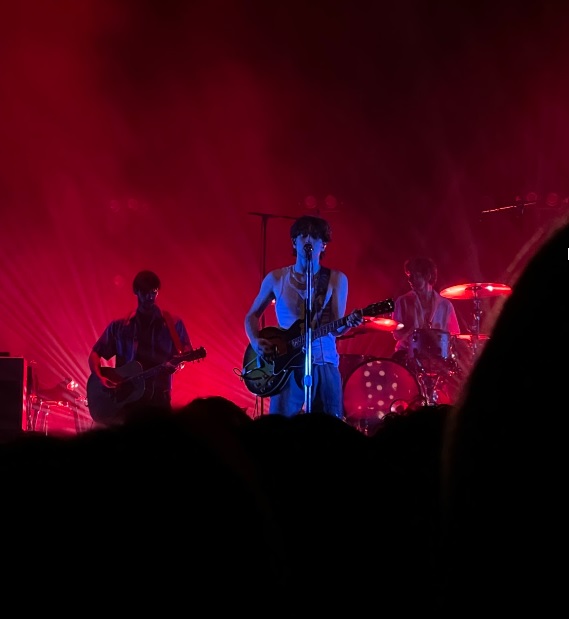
<point>308,331</point>
<point>264,221</point>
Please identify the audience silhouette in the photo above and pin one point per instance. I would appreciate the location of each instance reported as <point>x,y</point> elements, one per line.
<point>504,451</point>
<point>146,516</point>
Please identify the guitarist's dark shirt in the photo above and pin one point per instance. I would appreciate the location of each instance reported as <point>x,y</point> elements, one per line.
<point>148,329</point>
<point>148,341</point>
<point>145,327</point>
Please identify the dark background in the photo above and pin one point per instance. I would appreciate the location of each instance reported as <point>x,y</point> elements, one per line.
<point>142,134</point>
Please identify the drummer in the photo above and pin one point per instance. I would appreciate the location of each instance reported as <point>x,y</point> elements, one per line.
<point>421,308</point>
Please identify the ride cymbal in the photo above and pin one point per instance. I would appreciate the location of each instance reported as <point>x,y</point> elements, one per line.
<point>475,291</point>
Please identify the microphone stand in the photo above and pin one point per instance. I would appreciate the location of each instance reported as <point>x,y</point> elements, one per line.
<point>308,331</point>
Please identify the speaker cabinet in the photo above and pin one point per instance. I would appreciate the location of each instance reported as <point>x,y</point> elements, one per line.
<point>14,396</point>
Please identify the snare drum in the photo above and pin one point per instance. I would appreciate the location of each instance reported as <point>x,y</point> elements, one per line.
<point>432,349</point>
<point>430,342</point>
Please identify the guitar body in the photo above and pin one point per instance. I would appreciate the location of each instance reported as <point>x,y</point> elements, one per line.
<point>106,404</point>
<point>266,379</point>
<point>263,378</point>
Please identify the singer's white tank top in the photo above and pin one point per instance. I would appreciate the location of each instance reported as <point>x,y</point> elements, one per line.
<point>290,295</point>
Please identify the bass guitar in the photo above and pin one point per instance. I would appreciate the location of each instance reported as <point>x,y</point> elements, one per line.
<point>266,378</point>
<point>106,404</point>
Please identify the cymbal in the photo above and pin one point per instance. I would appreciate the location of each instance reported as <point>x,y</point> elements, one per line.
<point>472,336</point>
<point>372,325</point>
<point>475,291</point>
<point>381,324</point>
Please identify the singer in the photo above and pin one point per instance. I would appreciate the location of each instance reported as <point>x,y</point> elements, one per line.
<point>287,286</point>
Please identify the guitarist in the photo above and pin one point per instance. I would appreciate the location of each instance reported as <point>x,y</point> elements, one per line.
<point>287,287</point>
<point>149,336</point>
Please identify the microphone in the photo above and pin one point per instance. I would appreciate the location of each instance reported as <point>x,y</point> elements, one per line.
<point>308,248</point>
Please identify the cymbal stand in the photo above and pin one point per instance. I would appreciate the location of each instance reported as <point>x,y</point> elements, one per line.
<point>477,313</point>
<point>46,411</point>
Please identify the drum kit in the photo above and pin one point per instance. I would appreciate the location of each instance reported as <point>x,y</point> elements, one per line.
<point>59,410</point>
<point>374,386</point>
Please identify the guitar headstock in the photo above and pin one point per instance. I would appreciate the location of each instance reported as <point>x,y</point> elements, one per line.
<point>375,309</point>
<point>192,355</point>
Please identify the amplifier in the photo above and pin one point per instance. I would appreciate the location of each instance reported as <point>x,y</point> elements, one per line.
<point>14,396</point>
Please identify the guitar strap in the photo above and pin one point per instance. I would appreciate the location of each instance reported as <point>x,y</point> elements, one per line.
<point>320,295</point>
<point>173,333</point>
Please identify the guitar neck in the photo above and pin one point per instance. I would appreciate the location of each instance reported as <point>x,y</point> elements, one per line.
<point>151,372</point>
<point>198,353</point>
<point>300,341</point>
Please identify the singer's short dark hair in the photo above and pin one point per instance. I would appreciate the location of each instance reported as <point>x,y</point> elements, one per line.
<point>316,227</point>
<point>145,281</point>
<point>422,265</point>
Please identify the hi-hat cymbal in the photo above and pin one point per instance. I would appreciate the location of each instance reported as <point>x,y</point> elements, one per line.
<point>475,291</point>
<point>372,325</point>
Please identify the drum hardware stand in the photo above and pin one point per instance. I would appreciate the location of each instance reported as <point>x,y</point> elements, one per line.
<point>31,418</point>
<point>477,313</point>
<point>429,382</point>
<point>32,396</point>
<point>47,409</point>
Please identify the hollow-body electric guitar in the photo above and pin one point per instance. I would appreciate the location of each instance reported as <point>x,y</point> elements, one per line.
<point>264,378</point>
<point>105,404</point>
